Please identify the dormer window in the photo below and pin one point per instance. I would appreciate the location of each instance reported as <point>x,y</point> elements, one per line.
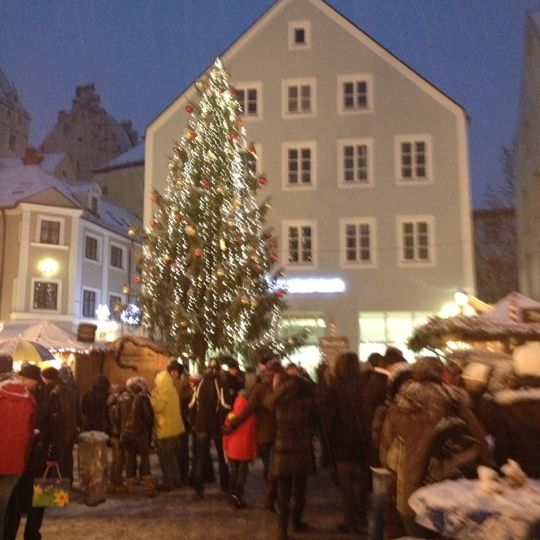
<point>299,35</point>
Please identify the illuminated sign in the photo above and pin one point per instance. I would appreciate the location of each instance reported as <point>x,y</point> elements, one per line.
<point>312,285</point>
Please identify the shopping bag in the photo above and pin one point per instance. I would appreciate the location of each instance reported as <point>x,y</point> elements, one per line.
<point>51,492</point>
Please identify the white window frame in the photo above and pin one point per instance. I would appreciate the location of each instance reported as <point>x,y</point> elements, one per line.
<point>288,83</point>
<point>341,144</point>
<point>124,256</point>
<point>416,219</point>
<point>249,85</point>
<point>298,145</point>
<point>97,293</point>
<point>59,219</point>
<point>58,282</point>
<point>414,138</point>
<point>344,262</point>
<point>285,226</point>
<point>302,24</point>
<point>98,248</point>
<point>356,77</point>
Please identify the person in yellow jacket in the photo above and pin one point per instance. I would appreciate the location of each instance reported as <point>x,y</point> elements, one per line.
<point>168,424</point>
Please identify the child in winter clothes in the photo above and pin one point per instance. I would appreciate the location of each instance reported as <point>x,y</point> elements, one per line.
<point>240,448</point>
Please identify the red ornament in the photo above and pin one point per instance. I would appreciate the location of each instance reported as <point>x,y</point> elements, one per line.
<point>222,90</point>
<point>280,293</point>
<point>273,257</point>
<point>198,253</point>
<point>189,109</point>
<point>193,135</point>
<point>263,180</point>
<point>153,198</point>
<point>252,149</point>
<point>178,218</point>
<point>233,91</point>
<point>234,135</point>
<point>153,223</point>
<point>136,278</point>
<point>239,240</point>
<point>205,184</point>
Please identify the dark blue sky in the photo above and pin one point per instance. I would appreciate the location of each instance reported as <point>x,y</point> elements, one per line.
<point>142,53</point>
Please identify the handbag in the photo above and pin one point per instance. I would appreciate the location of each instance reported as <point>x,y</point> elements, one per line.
<point>51,492</point>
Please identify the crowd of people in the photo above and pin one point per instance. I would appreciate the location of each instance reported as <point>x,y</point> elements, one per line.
<point>375,423</point>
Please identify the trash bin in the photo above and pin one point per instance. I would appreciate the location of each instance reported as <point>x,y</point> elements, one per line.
<point>92,466</point>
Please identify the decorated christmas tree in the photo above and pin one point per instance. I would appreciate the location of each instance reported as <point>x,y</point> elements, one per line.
<point>207,283</point>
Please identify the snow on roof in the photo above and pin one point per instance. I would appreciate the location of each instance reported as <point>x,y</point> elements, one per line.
<point>19,182</point>
<point>113,217</point>
<point>51,161</point>
<point>134,156</point>
<point>502,310</point>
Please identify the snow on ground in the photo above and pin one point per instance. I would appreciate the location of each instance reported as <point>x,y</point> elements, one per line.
<point>178,515</point>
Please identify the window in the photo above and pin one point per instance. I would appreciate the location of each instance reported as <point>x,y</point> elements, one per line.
<point>115,306</point>
<point>91,248</point>
<point>354,167</point>
<point>300,243</point>
<point>413,159</point>
<point>299,165</point>
<point>416,240</point>
<point>88,303</point>
<point>248,96</point>
<point>355,93</point>
<point>49,231</point>
<point>298,97</point>
<point>357,242</point>
<point>45,295</point>
<point>299,35</point>
<point>117,257</point>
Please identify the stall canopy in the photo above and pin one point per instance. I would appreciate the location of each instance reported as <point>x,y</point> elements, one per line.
<point>513,320</point>
<point>46,333</point>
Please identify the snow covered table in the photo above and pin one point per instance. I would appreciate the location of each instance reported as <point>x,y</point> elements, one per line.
<point>460,510</point>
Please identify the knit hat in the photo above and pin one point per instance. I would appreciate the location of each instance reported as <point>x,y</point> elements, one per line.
<point>527,360</point>
<point>475,371</point>
<point>30,371</point>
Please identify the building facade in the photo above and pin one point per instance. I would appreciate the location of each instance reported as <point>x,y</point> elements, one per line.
<point>63,252</point>
<point>14,121</point>
<point>367,167</point>
<point>528,165</point>
<point>88,134</point>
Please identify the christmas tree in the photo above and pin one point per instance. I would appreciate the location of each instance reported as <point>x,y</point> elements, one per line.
<point>207,284</point>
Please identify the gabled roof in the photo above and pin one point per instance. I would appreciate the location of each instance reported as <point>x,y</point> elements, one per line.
<point>362,36</point>
<point>113,218</point>
<point>134,156</point>
<point>20,182</point>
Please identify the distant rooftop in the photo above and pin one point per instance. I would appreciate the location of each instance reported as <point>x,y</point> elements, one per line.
<point>134,156</point>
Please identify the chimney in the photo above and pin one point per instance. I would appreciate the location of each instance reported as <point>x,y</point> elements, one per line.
<point>31,157</point>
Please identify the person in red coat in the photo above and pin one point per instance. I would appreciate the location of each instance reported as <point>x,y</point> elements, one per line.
<point>240,448</point>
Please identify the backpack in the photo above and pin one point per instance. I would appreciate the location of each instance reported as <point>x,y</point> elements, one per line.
<point>454,451</point>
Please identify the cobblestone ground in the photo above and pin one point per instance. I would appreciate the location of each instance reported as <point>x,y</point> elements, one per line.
<point>178,515</point>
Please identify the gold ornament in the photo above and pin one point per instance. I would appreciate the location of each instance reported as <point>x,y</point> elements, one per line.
<point>222,244</point>
<point>220,272</point>
<point>190,230</point>
<point>244,299</point>
<point>236,203</point>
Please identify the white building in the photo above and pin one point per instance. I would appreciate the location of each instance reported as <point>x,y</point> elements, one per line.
<point>367,165</point>
<point>63,250</point>
<point>527,186</point>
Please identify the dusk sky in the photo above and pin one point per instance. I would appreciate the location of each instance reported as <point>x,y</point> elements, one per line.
<point>141,54</point>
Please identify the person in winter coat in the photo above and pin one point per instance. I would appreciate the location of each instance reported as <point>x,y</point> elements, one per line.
<point>349,438</point>
<point>70,407</point>
<point>512,416</point>
<point>209,407</point>
<point>168,423</point>
<point>94,407</point>
<point>43,453</point>
<point>293,399</point>
<point>136,422</point>
<point>185,394</point>
<point>408,431</point>
<point>240,449</point>
<point>16,431</point>
<point>116,472</point>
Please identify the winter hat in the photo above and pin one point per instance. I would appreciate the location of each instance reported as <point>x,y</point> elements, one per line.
<point>475,371</point>
<point>30,371</point>
<point>527,360</point>
<point>174,365</point>
<point>6,363</point>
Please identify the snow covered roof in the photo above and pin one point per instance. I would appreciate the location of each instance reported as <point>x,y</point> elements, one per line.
<point>511,306</point>
<point>113,217</point>
<point>134,156</point>
<point>51,161</point>
<point>19,182</point>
